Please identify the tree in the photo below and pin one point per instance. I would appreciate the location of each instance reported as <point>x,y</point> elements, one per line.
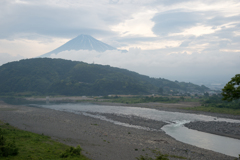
<point>231,91</point>
<point>206,94</point>
<point>160,90</point>
<point>182,98</point>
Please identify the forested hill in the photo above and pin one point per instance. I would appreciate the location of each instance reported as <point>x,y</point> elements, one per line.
<point>45,76</point>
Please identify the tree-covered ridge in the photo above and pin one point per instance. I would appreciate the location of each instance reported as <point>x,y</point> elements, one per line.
<point>43,76</point>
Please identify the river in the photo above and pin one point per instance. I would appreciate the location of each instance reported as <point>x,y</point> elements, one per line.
<point>175,127</point>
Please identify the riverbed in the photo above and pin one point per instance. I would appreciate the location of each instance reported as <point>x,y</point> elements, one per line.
<point>106,136</point>
<point>173,121</point>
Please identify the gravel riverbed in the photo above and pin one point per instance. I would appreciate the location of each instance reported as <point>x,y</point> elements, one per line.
<point>220,128</point>
<point>103,140</point>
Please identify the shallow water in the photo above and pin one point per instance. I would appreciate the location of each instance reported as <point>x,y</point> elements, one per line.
<point>225,145</point>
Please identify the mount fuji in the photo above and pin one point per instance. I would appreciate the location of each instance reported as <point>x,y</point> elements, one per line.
<point>82,42</point>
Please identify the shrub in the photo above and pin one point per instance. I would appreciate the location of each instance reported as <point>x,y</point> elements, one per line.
<point>159,157</point>
<point>71,152</point>
<point>2,140</point>
<point>162,157</point>
<point>7,149</point>
<point>143,158</point>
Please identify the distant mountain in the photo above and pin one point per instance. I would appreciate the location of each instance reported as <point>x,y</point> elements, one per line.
<point>82,42</point>
<point>45,76</point>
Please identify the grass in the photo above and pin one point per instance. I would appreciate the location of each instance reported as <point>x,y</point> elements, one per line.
<point>125,100</point>
<point>114,99</point>
<point>33,146</point>
<point>141,99</point>
<point>215,110</point>
<point>189,99</point>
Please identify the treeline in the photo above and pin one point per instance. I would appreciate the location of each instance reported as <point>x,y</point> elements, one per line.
<point>141,99</point>
<point>45,76</point>
<point>216,101</point>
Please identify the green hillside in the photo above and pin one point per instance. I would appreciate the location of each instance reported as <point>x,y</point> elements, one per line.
<point>45,76</point>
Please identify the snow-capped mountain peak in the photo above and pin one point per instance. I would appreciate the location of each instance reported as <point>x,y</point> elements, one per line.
<point>81,42</point>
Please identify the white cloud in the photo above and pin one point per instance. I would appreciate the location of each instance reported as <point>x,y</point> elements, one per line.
<point>20,1</point>
<point>197,48</point>
<point>237,33</point>
<point>5,58</point>
<point>29,48</point>
<point>229,50</point>
<point>220,7</point>
<point>139,24</point>
<point>148,45</point>
<point>200,30</point>
<point>176,66</point>
<point>196,31</point>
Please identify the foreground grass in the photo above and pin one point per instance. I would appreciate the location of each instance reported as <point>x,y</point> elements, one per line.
<point>215,110</point>
<point>33,146</point>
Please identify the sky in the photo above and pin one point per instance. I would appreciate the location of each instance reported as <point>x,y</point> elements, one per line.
<point>193,41</point>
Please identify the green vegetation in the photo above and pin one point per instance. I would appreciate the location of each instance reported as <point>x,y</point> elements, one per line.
<point>215,110</point>
<point>238,157</point>
<point>45,76</point>
<point>140,99</point>
<point>7,148</point>
<point>71,152</point>
<point>228,102</point>
<point>26,145</point>
<point>16,100</point>
<point>231,91</point>
<point>160,157</point>
<point>216,101</point>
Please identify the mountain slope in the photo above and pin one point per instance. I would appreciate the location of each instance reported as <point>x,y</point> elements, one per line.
<point>82,42</point>
<point>45,76</point>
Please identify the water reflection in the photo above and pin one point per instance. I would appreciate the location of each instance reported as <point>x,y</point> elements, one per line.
<point>228,146</point>
<point>135,111</point>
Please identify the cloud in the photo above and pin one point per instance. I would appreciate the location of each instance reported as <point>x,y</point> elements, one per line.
<point>175,66</point>
<point>5,58</point>
<point>197,31</point>
<point>178,39</point>
<point>61,18</point>
<point>153,45</point>
<point>30,48</point>
<point>49,20</point>
<point>139,24</point>
<point>174,21</point>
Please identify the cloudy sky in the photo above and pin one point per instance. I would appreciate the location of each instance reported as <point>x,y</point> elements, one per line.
<point>185,40</point>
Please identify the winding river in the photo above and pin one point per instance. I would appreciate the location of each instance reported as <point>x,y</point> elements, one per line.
<point>175,127</point>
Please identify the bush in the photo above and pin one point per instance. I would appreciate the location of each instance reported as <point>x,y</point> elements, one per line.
<point>7,149</point>
<point>2,140</point>
<point>159,157</point>
<point>162,157</point>
<point>143,158</point>
<point>71,152</point>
